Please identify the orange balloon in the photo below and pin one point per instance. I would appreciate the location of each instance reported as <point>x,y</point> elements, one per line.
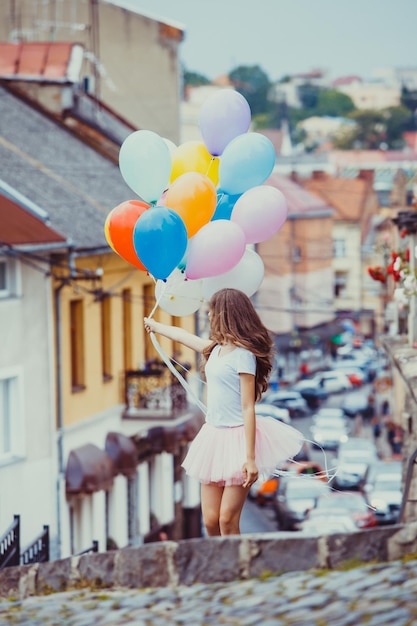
<point>193,196</point>
<point>120,224</point>
<point>193,156</point>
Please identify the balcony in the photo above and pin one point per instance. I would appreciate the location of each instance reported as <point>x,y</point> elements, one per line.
<point>153,393</point>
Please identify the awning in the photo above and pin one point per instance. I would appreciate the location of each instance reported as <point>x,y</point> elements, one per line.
<point>89,469</point>
<point>123,452</point>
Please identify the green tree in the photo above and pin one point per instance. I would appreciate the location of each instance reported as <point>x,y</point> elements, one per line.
<point>254,85</point>
<point>194,79</point>
<point>309,96</point>
<point>397,121</point>
<point>333,103</point>
<point>368,134</point>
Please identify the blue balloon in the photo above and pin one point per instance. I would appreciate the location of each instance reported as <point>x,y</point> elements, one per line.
<point>160,240</point>
<point>225,204</point>
<point>247,161</point>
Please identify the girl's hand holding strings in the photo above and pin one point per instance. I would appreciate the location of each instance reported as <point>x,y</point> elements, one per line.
<point>150,325</point>
<point>250,472</point>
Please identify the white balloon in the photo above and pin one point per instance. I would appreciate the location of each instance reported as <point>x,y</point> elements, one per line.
<point>171,145</point>
<point>246,276</point>
<point>179,296</point>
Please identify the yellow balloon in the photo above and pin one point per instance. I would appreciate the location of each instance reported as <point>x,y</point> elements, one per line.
<point>193,156</point>
<point>107,231</point>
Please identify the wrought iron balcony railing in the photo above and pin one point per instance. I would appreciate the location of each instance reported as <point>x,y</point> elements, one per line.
<point>153,393</point>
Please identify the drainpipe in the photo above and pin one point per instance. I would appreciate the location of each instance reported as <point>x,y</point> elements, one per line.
<point>60,421</point>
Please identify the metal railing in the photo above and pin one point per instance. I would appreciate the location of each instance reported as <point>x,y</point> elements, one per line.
<point>92,548</point>
<point>10,545</point>
<point>38,550</point>
<point>153,390</point>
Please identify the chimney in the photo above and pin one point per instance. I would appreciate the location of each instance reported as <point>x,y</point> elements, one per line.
<point>367,175</point>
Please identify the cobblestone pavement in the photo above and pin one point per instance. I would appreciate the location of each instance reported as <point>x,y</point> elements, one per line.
<point>376,594</point>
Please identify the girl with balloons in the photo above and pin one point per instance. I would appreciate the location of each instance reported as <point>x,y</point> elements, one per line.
<point>233,446</point>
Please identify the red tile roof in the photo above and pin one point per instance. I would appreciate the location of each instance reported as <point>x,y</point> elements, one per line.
<point>46,60</point>
<point>19,226</point>
<point>299,200</point>
<point>346,195</point>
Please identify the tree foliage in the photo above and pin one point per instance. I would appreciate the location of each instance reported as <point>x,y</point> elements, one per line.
<point>375,129</point>
<point>194,79</point>
<point>254,85</point>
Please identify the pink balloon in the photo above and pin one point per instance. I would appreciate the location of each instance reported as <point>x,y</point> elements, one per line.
<point>223,116</point>
<point>216,248</point>
<point>260,212</point>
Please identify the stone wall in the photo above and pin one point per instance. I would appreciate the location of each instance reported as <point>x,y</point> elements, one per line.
<point>209,560</point>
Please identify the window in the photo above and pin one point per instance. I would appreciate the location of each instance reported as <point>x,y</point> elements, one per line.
<point>8,278</point>
<point>11,436</point>
<point>339,248</point>
<point>340,284</point>
<point>77,345</point>
<point>127,328</point>
<point>106,338</point>
<point>296,254</point>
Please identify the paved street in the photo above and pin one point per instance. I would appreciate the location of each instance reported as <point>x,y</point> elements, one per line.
<point>375,595</point>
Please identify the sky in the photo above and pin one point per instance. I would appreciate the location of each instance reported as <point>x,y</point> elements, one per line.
<point>342,37</point>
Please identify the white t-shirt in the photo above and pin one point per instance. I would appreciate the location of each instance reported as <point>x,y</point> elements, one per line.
<point>224,405</point>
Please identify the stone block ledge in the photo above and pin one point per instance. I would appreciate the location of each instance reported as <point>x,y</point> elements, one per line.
<point>208,560</point>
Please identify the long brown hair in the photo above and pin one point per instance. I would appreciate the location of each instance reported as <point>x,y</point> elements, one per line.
<point>234,319</point>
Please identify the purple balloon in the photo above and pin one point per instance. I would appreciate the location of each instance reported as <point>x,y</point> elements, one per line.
<point>223,116</point>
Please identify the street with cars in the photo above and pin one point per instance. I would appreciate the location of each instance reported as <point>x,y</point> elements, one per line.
<point>348,475</point>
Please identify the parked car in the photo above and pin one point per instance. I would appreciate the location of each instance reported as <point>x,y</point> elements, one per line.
<point>333,382</point>
<point>383,487</point>
<point>287,399</point>
<point>354,503</point>
<point>323,522</point>
<point>312,392</point>
<point>356,376</point>
<point>386,498</point>
<point>263,491</point>
<point>357,402</point>
<point>269,410</point>
<point>295,496</point>
<point>353,459</point>
<point>329,432</point>
<point>330,412</point>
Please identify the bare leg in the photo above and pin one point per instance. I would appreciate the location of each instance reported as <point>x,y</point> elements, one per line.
<point>231,508</point>
<point>211,499</point>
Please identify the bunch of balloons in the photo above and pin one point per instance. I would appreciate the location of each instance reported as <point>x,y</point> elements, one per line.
<point>202,206</point>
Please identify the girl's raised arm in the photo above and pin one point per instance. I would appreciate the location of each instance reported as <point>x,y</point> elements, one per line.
<point>177,334</point>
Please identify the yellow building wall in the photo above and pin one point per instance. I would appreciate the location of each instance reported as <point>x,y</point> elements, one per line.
<point>100,394</point>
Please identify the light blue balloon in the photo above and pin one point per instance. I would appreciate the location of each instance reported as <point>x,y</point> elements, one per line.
<point>160,240</point>
<point>145,163</point>
<point>248,160</point>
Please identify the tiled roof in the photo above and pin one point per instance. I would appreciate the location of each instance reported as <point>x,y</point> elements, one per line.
<point>346,195</point>
<point>76,185</point>
<point>48,61</point>
<point>300,201</point>
<point>19,226</point>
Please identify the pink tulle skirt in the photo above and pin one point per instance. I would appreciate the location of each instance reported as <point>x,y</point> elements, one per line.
<point>217,455</point>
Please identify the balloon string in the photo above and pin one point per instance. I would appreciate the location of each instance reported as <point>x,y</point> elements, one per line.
<point>167,361</point>
<point>177,375</point>
<point>209,165</point>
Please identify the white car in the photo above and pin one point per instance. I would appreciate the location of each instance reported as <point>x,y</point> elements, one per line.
<point>333,382</point>
<point>269,410</point>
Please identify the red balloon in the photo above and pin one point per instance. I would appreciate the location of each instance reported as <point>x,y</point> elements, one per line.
<point>121,222</point>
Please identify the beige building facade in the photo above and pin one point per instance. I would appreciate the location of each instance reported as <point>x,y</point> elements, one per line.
<point>131,61</point>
